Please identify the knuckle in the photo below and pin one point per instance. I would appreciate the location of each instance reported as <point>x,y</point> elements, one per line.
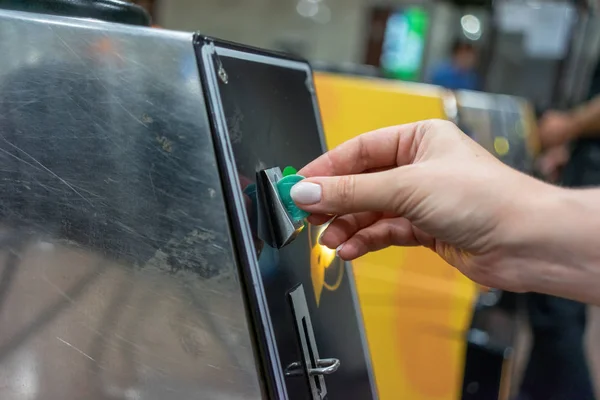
<point>409,196</point>
<point>366,238</point>
<point>345,190</point>
<point>437,125</point>
<point>391,233</point>
<point>439,131</point>
<point>332,165</point>
<point>363,152</point>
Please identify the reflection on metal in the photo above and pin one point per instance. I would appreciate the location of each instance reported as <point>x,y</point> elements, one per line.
<point>281,229</point>
<point>116,266</point>
<point>325,366</point>
<point>450,106</point>
<point>326,269</point>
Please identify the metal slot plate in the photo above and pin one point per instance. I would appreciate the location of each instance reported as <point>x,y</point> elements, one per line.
<point>275,223</point>
<point>308,345</point>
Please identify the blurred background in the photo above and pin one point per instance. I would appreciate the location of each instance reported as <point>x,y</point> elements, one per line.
<point>542,50</point>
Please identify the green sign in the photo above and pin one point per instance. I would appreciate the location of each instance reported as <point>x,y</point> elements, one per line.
<point>404,44</point>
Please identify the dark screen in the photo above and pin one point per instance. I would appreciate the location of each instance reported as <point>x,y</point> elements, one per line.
<point>271,120</point>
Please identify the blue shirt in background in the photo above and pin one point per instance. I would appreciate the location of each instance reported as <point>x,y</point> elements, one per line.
<point>450,77</point>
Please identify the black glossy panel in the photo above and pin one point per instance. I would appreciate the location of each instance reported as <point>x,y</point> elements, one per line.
<point>269,105</point>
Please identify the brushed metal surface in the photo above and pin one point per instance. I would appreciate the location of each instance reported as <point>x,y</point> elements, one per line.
<point>117,275</point>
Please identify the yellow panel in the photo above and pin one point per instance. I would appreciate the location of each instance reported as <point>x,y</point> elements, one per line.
<point>416,308</point>
<point>350,106</point>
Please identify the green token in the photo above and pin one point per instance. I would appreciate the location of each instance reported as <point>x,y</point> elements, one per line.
<point>284,187</point>
<point>287,171</point>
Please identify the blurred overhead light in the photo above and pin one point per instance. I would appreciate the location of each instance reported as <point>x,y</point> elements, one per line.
<point>307,8</point>
<point>315,10</point>
<point>471,26</point>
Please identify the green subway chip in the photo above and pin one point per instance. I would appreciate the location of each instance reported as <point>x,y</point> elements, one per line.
<point>284,187</point>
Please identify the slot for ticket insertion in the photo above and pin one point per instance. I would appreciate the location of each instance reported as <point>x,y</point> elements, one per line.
<point>275,224</point>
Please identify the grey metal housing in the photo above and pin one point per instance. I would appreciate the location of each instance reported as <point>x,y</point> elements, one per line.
<point>117,273</point>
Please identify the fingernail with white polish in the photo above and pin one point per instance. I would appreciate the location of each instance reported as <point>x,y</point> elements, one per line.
<point>306,193</point>
<point>339,248</point>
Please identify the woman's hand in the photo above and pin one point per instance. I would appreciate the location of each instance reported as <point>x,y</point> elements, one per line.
<point>428,184</point>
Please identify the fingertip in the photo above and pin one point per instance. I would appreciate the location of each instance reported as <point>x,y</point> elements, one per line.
<point>328,240</point>
<point>339,249</point>
<point>348,251</point>
<point>333,236</point>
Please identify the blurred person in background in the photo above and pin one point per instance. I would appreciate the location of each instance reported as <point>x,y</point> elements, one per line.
<point>558,368</point>
<point>459,72</point>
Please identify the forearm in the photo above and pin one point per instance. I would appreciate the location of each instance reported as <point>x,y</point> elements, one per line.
<point>566,251</point>
<point>586,119</point>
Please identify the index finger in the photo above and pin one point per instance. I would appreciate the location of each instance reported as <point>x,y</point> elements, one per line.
<point>386,147</point>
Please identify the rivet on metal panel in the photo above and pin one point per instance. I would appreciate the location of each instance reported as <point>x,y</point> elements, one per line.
<point>220,70</point>
<point>223,75</point>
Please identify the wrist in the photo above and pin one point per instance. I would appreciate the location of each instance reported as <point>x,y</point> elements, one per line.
<point>559,247</point>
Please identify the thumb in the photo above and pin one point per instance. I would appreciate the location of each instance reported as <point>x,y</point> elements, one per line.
<point>337,195</point>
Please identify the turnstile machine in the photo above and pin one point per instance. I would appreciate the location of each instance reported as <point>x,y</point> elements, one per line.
<point>142,254</point>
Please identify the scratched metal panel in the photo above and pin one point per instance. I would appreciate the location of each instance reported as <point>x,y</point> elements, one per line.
<point>117,276</point>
